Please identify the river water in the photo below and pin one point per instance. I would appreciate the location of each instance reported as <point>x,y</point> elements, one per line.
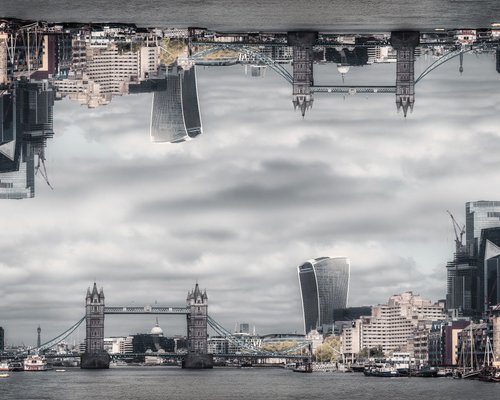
<point>238,15</point>
<point>220,383</point>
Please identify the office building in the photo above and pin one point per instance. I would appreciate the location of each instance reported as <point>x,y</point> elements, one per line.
<point>324,287</point>
<point>27,125</point>
<point>175,114</point>
<point>443,342</point>
<point>2,339</point>
<point>465,295</point>
<point>479,215</point>
<point>391,325</point>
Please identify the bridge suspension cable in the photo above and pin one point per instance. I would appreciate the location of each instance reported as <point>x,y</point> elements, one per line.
<point>59,338</point>
<point>441,60</point>
<point>251,52</point>
<point>253,350</point>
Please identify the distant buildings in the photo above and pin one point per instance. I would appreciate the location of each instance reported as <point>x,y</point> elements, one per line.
<point>324,287</point>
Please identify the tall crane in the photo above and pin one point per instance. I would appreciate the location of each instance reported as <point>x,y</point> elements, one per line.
<point>459,232</point>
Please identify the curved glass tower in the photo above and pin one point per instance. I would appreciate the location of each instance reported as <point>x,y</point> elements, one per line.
<point>324,287</point>
<point>175,114</point>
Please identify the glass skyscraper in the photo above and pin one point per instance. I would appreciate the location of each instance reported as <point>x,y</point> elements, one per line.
<point>324,287</point>
<point>175,114</point>
<point>466,274</point>
<point>479,215</point>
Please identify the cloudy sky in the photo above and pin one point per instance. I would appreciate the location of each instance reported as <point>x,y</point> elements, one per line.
<point>261,191</point>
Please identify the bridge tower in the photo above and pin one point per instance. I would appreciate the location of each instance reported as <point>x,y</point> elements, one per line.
<point>405,42</point>
<point>197,357</point>
<point>302,44</point>
<point>94,357</point>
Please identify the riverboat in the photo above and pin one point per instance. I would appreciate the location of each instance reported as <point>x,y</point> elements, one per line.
<point>16,366</point>
<point>36,363</point>
<point>4,366</point>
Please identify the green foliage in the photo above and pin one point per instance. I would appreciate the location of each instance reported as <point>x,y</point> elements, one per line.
<point>372,352</point>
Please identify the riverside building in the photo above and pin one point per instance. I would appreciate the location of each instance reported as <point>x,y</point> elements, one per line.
<point>391,325</point>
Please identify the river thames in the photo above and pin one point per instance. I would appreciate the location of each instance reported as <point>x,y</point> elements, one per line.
<point>222,383</point>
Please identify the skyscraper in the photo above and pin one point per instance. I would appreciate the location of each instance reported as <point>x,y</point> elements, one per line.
<point>324,287</point>
<point>2,340</point>
<point>175,114</point>
<point>27,122</point>
<point>479,215</point>
<point>466,273</point>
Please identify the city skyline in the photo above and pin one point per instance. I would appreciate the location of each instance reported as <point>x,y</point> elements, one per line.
<point>260,191</point>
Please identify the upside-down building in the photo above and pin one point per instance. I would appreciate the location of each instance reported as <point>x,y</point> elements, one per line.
<point>175,114</point>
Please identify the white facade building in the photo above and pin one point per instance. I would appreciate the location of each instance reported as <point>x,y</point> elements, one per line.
<point>392,324</point>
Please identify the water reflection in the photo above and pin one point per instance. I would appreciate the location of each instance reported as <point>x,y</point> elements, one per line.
<point>41,62</point>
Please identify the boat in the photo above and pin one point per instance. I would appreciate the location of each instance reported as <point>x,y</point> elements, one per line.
<point>16,366</point>
<point>427,372</point>
<point>383,371</point>
<point>306,368</point>
<point>4,375</point>
<point>35,363</point>
<point>60,370</point>
<point>4,366</point>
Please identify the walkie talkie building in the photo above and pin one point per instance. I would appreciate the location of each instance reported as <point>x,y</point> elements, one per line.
<point>324,287</point>
<point>175,114</point>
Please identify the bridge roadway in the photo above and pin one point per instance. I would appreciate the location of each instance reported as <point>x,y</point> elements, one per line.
<point>353,89</point>
<point>146,310</point>
<point>181,355</point>
<point>319,43</point>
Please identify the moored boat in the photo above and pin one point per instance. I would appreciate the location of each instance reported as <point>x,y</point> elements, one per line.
<point>35,363</point>
<point>4,366</point>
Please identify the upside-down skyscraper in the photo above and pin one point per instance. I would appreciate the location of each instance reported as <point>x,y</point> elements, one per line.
<point>175,114</point>
<point>324,287</point>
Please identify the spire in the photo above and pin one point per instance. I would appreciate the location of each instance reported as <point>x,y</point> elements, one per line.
<point>88,292</point>
<point>94,289</point>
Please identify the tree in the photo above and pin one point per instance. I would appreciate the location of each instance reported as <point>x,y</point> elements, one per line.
<point>330,350</point>
<point>372,352</point>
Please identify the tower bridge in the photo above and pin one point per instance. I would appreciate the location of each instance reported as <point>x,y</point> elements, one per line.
<point>301,77</point>
<point>196,312</point>
<point>197,322</point>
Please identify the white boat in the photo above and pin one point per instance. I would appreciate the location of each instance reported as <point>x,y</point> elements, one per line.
<point>4,375</point>
<point>4,366</point>
<point>35,363</point>
<point>60,370</point>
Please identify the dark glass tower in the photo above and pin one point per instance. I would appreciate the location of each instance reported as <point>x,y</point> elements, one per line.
<point>175,114</point>
<point>324,287</point>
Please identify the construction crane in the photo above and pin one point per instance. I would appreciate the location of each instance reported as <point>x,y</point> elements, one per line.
<point>43,170</point>
<point>459,232</point>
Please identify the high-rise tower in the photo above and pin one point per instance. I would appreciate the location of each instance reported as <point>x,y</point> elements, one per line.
<point>175,113</point>
<point>197,302</point>
<point>302,43</point>
<point>197,357</point>
<point>38,336</point>
<point>95,357</point>
<point>2,340</point>
<point>324,287</point>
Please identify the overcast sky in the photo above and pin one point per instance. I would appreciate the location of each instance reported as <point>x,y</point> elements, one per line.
<point>261,191</point>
